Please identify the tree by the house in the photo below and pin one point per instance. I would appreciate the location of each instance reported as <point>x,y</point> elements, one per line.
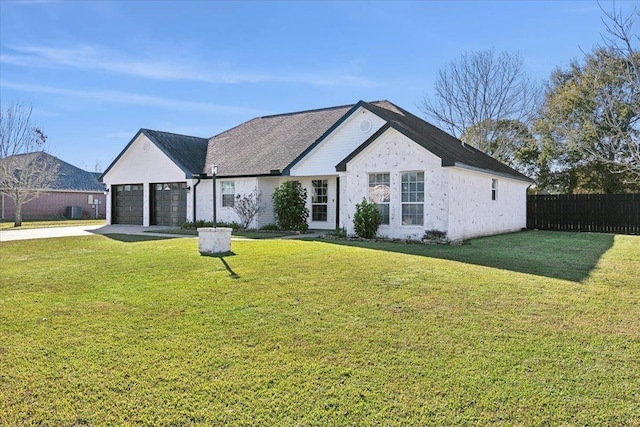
<point>509,141</point>
<point>290,206</point>
<point>25,172</point>
<point>620,101</point>
<point>483,95</point>
<point>590,118</point>
<point>247,207</point>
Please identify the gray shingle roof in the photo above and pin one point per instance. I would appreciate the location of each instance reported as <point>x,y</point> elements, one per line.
<point>275,142</point>
<point>269,143</point>
<point>188,152</point>
<point>450,149</point>
<point>68,177</point>
<point>272,144</point>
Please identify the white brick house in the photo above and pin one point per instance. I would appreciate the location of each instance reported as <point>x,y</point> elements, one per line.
<point>421,177</point>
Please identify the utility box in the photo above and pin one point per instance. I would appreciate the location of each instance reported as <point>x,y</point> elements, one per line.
<point>73,212</point>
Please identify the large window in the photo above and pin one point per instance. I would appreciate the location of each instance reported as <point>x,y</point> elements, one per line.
<point>228,193</point>
<point>412,198</point>
<point>319,200</point>
<point>380,193</point>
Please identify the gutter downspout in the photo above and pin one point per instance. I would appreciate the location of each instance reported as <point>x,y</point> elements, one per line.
<point>194,199</point>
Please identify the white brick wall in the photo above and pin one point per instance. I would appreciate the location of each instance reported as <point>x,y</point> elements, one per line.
<point>144,163</point>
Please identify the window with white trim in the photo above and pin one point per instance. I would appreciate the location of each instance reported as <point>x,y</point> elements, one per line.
<point>494,189</point>
<point>413,198</point>
<point>380,193</point>
<point>228,193</point>
<point>319,200</point>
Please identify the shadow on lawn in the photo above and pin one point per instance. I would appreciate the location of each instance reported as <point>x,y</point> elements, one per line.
<point>221,257</point>
<point>134,238</point>
<point>559,255</point>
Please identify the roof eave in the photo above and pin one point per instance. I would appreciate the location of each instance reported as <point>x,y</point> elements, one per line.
<point>518,177</point>
<point>101,177</point>
<point>287,169</point>
<point>342,166</point>
<point>188,174</point>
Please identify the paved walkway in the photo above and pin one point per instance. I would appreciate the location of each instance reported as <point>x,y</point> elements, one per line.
<point>88,230</point>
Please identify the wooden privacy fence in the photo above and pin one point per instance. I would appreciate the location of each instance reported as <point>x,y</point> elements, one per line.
<point>604,213</point>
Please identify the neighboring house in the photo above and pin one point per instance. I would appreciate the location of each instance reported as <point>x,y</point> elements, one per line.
<point>421,177</point>
<point>72,188</point>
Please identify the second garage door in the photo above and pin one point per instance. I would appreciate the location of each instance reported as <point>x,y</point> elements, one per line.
<point>169,203</point>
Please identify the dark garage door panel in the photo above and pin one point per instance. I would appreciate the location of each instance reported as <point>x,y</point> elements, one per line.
<point>128,205</point>
<point>169,203</point>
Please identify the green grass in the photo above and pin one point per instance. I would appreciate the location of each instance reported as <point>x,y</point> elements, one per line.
<point>8,225</point>
<point>102,331</point>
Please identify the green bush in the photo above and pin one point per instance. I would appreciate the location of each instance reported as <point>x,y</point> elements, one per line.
<point>339,232</point>
<point>270,227</point>
<point>202,223</point>
<point>189,225</point>
<point>367,219</point>
<point>290,205</point>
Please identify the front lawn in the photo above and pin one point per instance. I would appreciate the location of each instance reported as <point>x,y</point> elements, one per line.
<point>110,331</point>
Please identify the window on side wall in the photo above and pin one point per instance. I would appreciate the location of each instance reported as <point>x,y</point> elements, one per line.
<point>319,200</point>
<point>228,193</point>
<point>412,198</point>
<point>380,193</point>
<point>494,189</point>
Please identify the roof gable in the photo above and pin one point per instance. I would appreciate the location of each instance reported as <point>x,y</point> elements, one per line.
<point>271,144</point>
<point>67,176</point>
<point>449,149</point>
<point>187,152</point>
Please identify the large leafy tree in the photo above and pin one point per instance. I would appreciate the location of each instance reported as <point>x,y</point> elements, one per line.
<point>26,172</point>
<point>509,141</point>
<point>590,119</point>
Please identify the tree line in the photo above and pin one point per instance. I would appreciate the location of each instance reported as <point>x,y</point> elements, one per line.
<point>577,132</point>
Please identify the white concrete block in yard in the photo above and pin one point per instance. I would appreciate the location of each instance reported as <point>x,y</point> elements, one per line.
<point>214,241</point>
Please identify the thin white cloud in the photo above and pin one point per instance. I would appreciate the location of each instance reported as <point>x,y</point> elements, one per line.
<point>131,98</point>
<point>88,57</point>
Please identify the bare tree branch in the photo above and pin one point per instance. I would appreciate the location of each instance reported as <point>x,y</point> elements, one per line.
<point>26,171</point>
<point>617,86</point>
<point>480,91</point>
<point>247,207</point>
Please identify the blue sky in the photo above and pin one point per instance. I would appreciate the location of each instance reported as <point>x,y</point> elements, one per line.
<point>97,71</point>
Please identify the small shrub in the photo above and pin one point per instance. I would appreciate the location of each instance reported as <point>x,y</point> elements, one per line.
<point>270,227</point>
<point>338,232</point>
<point>435,236</point>
<point>290,206</point>
<point>190,225</point>
<point>367,219</point>
<point>233,225</point>
<point>247,207</point>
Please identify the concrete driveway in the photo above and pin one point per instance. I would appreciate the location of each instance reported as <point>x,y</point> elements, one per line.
<point>89,230</point>
<point>80,230</point>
